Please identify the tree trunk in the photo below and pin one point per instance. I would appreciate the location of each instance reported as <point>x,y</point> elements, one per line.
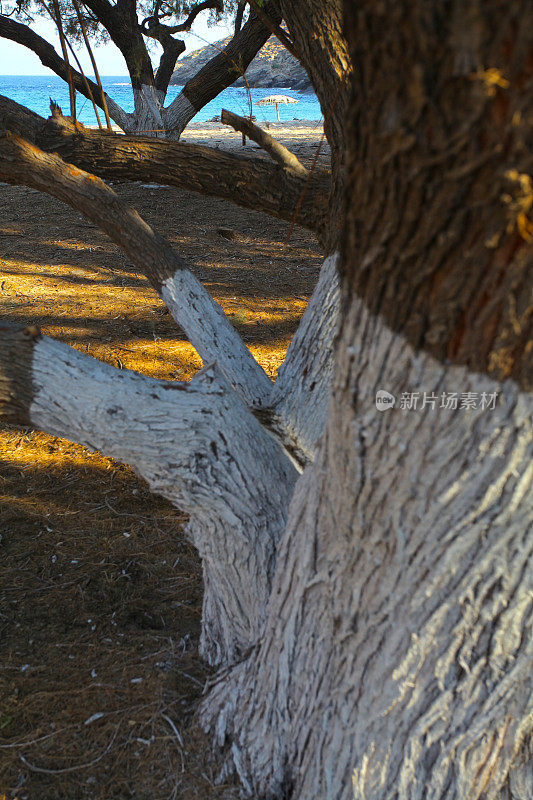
<point>397,656</point>
<point>220,72</point>
<point>315,27</point>
<point>374,616</point>
<point>397,650</point>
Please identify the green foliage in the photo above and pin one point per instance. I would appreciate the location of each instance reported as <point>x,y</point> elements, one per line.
<point>27,10</point>
<point>173,12</point>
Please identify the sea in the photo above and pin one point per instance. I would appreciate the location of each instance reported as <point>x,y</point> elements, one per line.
<point>35,92</point>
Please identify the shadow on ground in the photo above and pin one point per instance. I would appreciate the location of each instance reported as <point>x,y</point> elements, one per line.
<point>100,592</point>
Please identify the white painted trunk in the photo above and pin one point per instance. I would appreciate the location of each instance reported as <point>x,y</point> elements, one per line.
<point>150,118</point>
<point>214,337</point>
<point>178,115</point>
<point>302,390</point>
<point>147,119</point>
<point>397,657</point>
<point>198,445</point>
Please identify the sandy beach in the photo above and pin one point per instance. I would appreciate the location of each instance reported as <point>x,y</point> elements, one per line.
<point>303,137</point>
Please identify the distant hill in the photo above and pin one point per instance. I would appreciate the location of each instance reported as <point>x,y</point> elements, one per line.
<point>272,67</point>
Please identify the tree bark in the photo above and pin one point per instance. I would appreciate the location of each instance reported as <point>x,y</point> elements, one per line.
<point>196,444</point>
<point>300,397</point>
<point>307,377</point>
<point>396,660</point>
<point>315,28</point>
<point>396,650</point>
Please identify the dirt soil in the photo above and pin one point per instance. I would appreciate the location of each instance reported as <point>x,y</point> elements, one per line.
<point>100,593</point>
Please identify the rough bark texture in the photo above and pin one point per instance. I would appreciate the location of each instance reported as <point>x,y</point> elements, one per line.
<point>196,444</point>
<point>19,120</point>
<point>16,382</point>
<point>398,639</point>
<point>315,28</point>
<point>397,657</point>
<point>441,173</point>
<point>300,397</point>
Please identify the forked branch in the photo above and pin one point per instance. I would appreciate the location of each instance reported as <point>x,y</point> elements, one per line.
<point>193,308</point>
<point>195,443</point>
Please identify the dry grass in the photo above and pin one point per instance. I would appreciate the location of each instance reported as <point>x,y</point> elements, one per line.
<point>100,598</point>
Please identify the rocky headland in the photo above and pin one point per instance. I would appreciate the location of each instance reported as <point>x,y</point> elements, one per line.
<point>273,67</point>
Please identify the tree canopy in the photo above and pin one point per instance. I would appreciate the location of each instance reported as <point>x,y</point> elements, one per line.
<point>135,27</point>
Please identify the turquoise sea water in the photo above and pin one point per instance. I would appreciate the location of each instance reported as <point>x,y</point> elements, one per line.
<point>35,91</point>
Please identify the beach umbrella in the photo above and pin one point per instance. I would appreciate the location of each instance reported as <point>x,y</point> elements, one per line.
<point>276,100</point>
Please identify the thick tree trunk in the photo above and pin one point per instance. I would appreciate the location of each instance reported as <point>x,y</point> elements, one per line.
<point>385,648</point>
<point>121,22</point>
<point>397,650</point>
<point>397,656</point>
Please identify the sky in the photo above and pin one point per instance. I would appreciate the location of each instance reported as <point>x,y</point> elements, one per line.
<point>18,60</point>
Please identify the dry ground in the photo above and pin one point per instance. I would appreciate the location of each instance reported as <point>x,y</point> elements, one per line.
<point>100,593</point>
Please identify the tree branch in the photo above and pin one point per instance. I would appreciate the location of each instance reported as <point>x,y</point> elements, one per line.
<point>120,21</point>
<point>22,34</point>
<point>194,443</point>
<point>20,120</point>
<point>275,28</point>
<point>278,152</point>
<point>248,182</point>
<point>241,5</point>
<point>302,390</point>
<point>221,71</point>
<point>192,307</point>
<point>197,9</point>
<point>172,48</point>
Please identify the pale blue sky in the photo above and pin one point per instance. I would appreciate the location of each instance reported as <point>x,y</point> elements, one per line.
<point>18,60</point>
